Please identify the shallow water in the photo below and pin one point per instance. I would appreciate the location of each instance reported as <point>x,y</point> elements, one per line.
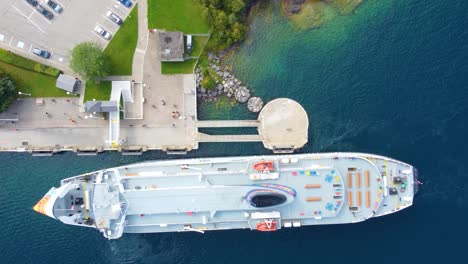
<point>389,79</point>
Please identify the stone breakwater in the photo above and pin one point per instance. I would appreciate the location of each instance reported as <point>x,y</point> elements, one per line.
<point>225,84</point>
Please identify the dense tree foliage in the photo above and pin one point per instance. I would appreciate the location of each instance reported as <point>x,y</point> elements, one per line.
<point>227,18</point>
<point>89,61</point>
<point>7,91</point>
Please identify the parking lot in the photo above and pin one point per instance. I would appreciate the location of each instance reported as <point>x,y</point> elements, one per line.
<point>23,28</point>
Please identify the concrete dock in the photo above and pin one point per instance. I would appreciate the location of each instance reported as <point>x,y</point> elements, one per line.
<point>282,127</point>
<point>59,124</point>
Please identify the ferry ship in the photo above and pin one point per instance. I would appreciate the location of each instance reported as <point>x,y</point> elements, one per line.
<point>264,193</point>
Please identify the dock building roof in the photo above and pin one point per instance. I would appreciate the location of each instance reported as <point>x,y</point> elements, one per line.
<point>171,45</point>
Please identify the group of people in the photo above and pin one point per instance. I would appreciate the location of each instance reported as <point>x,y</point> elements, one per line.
<point>175,114</point>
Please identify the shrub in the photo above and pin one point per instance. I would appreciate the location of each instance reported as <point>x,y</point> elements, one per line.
<point>7,91</point>
<point>18,61</point>
<point>208,82</point>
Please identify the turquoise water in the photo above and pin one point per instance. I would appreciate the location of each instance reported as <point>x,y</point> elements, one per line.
<point>389,79</point>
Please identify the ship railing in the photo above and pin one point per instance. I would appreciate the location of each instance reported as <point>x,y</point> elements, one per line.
<point>179,174</point>
<point>312,168</point>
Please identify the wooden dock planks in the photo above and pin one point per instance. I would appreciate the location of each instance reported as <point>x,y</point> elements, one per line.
<point>350,180</point>
<point>313,186</point>
<point>359,198</point>
<point>314,199</point>
<point>367,178</point>
<point>350,198</point>
<point>358,180</point>
<point>368,200</point>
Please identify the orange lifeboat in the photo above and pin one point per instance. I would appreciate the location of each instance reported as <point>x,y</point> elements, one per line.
<point>264,166</point>
<point>268,225</point>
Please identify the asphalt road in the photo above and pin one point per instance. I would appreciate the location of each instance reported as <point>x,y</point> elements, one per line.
<point>23,28</point>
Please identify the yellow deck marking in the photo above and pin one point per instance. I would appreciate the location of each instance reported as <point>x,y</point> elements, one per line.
<point>84,200</point>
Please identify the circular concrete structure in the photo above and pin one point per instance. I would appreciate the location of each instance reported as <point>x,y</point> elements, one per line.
<point>283,125</point>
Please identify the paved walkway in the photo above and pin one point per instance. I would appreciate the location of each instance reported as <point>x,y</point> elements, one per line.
<point>158,137</point>
<point>228,123</point>
<point>229,138</point>
<point>142,44</point>
<point>53,113</point>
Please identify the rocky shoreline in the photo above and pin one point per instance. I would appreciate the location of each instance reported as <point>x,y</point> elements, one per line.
<point>292,7</point>
<point>226,84</point>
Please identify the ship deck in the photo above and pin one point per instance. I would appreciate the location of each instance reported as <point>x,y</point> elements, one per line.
<point>215,193</point>
<point>211,191</point>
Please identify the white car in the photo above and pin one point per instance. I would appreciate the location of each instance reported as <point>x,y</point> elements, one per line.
<point>103,33</point>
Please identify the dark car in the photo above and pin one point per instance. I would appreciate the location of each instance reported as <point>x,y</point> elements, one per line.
<point>44,12</point>
<point>41,53</point>
<point>126,3</point>
<point>58,9</point>
<point>32,2</point>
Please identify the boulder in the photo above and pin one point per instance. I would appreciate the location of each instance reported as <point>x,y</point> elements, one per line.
<point>242,94</point>
<point>255,104</point>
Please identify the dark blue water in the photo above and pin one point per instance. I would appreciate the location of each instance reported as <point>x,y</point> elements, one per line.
<point>389,79</point>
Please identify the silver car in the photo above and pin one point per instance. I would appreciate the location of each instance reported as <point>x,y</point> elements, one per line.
<point>114,18</point>
<point>103,33</point>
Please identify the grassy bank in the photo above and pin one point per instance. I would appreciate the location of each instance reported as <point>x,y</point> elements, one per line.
<point>122,46</point>
<point>100,91</point>
<point>198,43</point>
<point>177,15</point>
<point>36,84</point>
<point>27,64</point>
<point>178,67</point>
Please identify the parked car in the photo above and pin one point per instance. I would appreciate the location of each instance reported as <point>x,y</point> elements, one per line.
<point>114,18</point>
<point>44,12</point>
<point>126,3</point>
<point>189,43</point>
<point>56,7</point>
<point>41,53</point>
<point>32,2</point>
<point>103,33</point>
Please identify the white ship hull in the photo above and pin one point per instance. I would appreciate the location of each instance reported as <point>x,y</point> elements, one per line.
<point>265,193</point>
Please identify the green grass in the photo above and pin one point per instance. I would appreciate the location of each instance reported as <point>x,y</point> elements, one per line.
<point>178,67</point>
<point>27,64</point>
<point>122,46</point>
<point>198,42</point>
<point>36,84</point>
<point>100,91</point>
<point>177,15</point>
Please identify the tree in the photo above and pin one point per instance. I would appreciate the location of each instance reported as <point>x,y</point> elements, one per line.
<point>89,61</point>
<point>238,31</point>
<point>7,91</point>
<point>236,5</point>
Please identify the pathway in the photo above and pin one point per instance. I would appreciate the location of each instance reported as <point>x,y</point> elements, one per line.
<point>228,123</point>
<point>229,138</point>
<point>142,44</point>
